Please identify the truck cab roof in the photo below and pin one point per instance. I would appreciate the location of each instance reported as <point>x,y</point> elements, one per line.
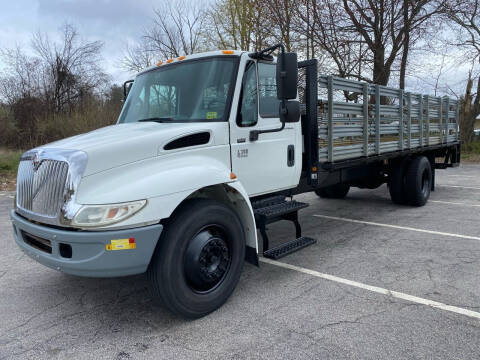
<point>166,62</point>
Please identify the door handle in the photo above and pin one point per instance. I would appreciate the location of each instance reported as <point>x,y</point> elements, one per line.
<point>291,155</point>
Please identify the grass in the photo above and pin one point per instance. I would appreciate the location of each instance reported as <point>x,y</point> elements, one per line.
<point>9,160</point>
<point>471,152</point>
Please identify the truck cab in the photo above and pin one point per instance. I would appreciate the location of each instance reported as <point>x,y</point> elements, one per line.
<point>226,96</point>
<point>167,189</point>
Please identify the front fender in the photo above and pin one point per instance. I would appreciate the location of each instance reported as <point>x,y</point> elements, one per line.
<point>165,181</point>
<point>159,176</point>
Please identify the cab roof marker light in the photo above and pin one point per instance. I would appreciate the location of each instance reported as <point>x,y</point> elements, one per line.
<point>160,63</point>
<point>181,58</point>
<point>169,61</point>
<point>228,52</point>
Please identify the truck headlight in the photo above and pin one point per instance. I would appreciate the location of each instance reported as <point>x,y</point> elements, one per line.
<point>101,215</point>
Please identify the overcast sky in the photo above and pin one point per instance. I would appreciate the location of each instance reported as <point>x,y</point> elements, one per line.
<point>119,22</point>
<point>113,22</point>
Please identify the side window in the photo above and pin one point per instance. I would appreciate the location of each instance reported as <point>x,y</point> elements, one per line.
<point>248,114</point>
<point>267,88</point>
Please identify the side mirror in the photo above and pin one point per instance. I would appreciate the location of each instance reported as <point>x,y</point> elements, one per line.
<point>127,85</point>
<point>290,111</point>
<point>287,75</point>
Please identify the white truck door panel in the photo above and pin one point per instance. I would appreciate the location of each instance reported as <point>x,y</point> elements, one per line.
<point>262,165</point>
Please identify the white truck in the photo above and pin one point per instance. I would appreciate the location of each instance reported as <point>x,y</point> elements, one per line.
<point>209,148</point>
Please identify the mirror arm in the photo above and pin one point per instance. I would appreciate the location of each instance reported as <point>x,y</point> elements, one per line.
<point>266,54</point>
<point>125,88</point>
<point>254,133</point>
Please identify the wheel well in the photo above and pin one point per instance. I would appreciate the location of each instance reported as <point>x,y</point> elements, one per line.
<point>235,200</point>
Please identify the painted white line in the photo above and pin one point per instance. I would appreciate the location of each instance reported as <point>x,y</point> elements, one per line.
<point>453,203</point>
<point>376,289</point>
<point>460,187</point>
<point>465,176</point>
<point>399,227</point>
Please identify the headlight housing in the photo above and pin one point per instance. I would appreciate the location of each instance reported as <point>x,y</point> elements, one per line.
<point>102,215</point>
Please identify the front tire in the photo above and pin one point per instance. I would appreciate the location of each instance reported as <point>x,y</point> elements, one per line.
<point>199,259</point>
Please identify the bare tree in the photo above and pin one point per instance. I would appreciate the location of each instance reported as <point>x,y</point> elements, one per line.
<point>238,25</point>
<point>465,14</point>
<point>176,30</point>
<point>386,27</point>
<point>59,83</point>
<point>71,67</point>
<point>330,32</point>
<point>138,56</point>
<point>281,14</point>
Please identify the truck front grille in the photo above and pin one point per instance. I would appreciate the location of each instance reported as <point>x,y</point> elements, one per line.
<point>41,186</point>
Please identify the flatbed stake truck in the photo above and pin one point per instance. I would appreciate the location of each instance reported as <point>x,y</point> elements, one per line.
<point>209,148</point>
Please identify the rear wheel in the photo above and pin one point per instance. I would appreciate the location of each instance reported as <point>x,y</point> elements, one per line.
<point>418,180</point>
<point>199,259</point>
<point>338,191</point>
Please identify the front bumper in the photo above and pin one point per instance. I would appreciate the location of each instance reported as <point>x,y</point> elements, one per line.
<point>84,253</point>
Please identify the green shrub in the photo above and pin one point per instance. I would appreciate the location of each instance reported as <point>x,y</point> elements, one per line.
<point>9,161</point>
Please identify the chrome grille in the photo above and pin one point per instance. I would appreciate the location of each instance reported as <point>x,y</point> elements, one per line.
<point>40,188</point>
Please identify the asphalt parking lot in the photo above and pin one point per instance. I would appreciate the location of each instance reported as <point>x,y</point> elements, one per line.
<point>383,282</point>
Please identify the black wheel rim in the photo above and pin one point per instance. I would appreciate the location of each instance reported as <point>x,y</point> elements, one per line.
<point>207,258</point>
<point>425,183</point>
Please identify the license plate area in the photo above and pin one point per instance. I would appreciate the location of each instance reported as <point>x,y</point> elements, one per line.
<point>37,242</point>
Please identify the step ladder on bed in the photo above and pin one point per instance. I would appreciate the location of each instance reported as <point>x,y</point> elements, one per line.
<point>276,208</point>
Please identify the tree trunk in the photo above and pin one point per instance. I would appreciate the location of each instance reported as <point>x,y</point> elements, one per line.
<point>406,44</point>
<point>380,73</point>
<point>467,117</point>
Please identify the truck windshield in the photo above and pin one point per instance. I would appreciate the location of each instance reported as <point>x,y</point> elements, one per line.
<point>191,91</point>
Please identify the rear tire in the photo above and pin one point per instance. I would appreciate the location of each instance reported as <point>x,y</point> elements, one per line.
<point>418,180</point>
<point>199,258</point>
<point>338,191</point>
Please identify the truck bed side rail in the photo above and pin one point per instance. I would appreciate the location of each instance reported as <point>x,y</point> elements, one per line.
<point>378,119</point>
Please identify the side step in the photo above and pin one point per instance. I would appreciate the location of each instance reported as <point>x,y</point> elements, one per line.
<point>273,209</point>
<point>289,247</point>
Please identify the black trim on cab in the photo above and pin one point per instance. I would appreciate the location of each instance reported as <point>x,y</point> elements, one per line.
<point>200,138</point>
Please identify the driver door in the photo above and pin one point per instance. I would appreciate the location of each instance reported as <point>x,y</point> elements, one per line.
<point>267,164</point>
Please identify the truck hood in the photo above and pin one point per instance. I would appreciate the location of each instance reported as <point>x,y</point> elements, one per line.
<point>120,144</point>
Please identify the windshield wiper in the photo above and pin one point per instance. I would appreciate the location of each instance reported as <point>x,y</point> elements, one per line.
<point>157,119</point>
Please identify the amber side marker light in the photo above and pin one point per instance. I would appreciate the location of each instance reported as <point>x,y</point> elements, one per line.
<point>233,176</point>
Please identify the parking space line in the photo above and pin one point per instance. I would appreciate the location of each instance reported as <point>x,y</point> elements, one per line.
<point>453,203</point>
<point>376,289</point>
<point>459,187</point>
<point>398,227</point>
<point>458,175</point>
